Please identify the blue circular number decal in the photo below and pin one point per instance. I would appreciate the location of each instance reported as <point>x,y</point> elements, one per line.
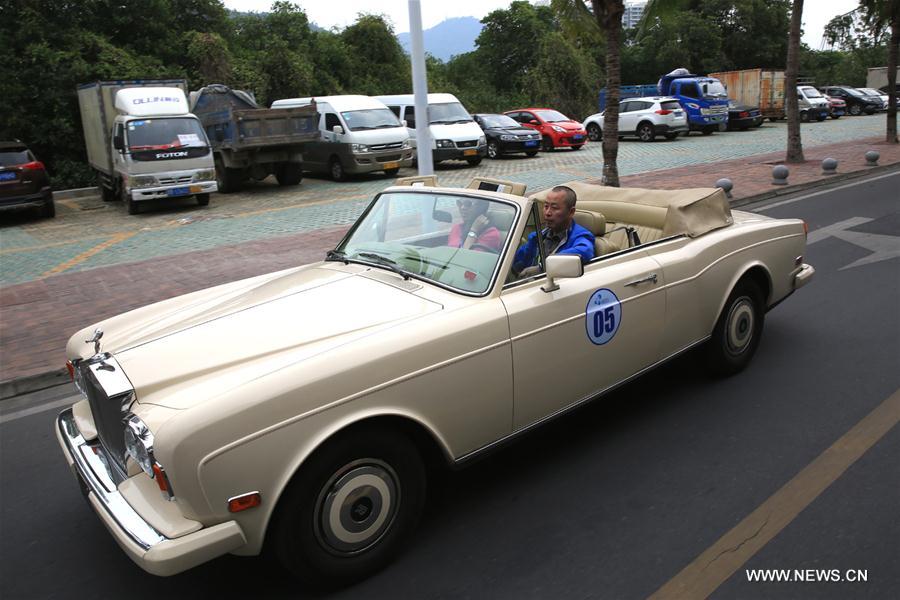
<point>602,316</point>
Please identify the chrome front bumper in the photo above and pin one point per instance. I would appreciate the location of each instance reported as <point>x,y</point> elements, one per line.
<point>153,193</point>
<point>803,276</point>
<point>144,544</point>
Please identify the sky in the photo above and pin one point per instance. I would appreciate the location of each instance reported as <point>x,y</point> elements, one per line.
<point>340,13</point>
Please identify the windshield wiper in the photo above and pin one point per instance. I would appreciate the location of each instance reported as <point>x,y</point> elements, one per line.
<point>333,255</point>
<point>387,262</point>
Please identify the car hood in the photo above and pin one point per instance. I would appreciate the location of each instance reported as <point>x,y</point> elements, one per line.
<point>568,125</point>
<point>509,130</point>
<point>219,338</point>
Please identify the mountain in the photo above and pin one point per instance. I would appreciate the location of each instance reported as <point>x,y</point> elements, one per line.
<point>453,36</point>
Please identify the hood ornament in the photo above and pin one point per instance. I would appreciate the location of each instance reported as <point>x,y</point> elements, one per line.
<point>98,333</point>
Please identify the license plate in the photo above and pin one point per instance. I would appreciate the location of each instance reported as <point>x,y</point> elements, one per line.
<point>196,189</point>
<point>182,191</point>
<point>577,137</point>
<point>470,152</point>
<point>531,143</point>
<point>392,165</point>
<point>7,176</point>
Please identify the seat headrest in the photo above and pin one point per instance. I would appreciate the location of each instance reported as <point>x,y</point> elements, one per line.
<point>592,221</point>
<point>501,219</point>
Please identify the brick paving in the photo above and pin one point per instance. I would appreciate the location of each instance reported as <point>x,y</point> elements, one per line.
<point>178,249</point>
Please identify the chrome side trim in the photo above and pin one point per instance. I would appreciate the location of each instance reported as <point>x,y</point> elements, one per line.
<point>493,445</point>
<point>91,467</point>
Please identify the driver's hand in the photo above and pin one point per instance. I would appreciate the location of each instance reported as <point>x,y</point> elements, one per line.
<point>480,224</point>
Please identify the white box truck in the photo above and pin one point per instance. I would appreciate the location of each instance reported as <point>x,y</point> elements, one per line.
<point>143,142</point>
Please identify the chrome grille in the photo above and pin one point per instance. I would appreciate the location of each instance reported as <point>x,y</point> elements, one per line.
<point>174,180</point>
<point>110,396</point>
<point>467,144</point>
<point>391,146</point>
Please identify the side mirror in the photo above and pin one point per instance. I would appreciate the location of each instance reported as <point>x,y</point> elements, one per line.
<point>560,266</point>
<point>534,122</point>
<point>403,122</point>
<point>338,130</point>
<point>442,215</point>
<point>118,142</point>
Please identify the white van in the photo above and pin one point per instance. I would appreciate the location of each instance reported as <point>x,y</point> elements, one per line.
<point>455,135</point>
<point>358,135</point>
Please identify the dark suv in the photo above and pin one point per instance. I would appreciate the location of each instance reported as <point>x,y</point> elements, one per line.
<point>23,180</point>
<point>857,102</point>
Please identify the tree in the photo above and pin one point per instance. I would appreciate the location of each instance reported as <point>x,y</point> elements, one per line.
<point>564,78</point>
<point>794,144</point>
<point>881,15</point>
<point>379,64</point>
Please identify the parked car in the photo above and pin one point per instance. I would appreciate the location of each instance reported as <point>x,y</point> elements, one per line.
<point>837,107</point>
<point>811,104</point>
<point>24,182</point>
<point>644,117</point>
<point>876,93</point>
<point>302,408</point>
<point>857,102</point>
<point>743,117</point>
<point>556,129</point>
<point>506,136</point>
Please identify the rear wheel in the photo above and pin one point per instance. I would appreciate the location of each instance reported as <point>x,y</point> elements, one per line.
<point>107,193</point>
<point>336,168</point>
<point>594,132</point>
<point>49,209</point>
<point>738,331</point>
<point>227,180</point>
<point>350,508</point>
<point>289,173</point>
<point>645,132</point>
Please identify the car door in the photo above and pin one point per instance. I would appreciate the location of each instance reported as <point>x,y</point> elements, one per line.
<point>627,120</point>
<point>592,333</point>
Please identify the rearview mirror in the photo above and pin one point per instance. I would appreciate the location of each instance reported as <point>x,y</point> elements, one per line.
<point>442,215</point>
<point>560,266</point>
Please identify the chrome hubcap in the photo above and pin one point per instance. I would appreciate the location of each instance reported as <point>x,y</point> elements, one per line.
<point>357,506</point>
<point>740,324</point>
<point>492,150</point>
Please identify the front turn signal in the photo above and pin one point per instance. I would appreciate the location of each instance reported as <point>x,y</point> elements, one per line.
<point>244,501</point>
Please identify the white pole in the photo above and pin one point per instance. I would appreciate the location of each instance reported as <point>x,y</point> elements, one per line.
<point>420,89</point>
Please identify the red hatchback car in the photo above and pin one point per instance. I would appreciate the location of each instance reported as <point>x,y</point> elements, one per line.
<point>557,130</point>
<point>23,180</point>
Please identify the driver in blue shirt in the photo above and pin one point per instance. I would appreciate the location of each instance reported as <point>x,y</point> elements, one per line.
<point>562,235</point>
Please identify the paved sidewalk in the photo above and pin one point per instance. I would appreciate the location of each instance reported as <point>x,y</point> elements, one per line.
<point>37,317</point>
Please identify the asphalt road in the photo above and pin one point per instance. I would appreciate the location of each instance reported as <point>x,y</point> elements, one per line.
<point>617,500</point>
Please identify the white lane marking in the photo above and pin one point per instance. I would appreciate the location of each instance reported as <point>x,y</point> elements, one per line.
<point>25,412</point>
<point>819,193</point>
<point>882,247</point>
<point>826,232</point>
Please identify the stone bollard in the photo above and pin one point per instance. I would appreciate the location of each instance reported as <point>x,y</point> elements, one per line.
<point>829,166</point>
<point>726,185</point>
<point>780,174</point>
<point>872,158</point>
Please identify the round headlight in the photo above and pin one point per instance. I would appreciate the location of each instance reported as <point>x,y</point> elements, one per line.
<point>139,443</point>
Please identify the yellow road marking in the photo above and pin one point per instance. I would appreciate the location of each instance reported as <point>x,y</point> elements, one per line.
<point>719,562</point>
<point>89,253</point>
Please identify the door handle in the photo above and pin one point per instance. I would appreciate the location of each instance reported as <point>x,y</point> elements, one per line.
<point>650,277</point>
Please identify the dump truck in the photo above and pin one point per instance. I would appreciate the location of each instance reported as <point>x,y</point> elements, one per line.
<point>143,142</point>
<point>756,87</point>
<point>251,142</point>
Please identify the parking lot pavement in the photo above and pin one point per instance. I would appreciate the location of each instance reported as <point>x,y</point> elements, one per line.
<point>94,260</point>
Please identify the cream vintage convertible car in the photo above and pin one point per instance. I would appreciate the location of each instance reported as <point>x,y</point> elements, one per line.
<point>297,410</point>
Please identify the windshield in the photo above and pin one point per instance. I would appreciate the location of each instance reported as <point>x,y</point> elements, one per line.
<point>432,236</point>
<point>165,133</point>
<point>854,92</point>
<point>450,112</point>
<point>499,121</point>
<point>551,116</point>
<point>810,92</point>
<point>870,91</point>
<point>370,118</point>
<point>714,88</point>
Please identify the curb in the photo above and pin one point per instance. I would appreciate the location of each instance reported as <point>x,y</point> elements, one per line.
<point>32,383</point>
<point>76,193</point>
<point>802,187</point>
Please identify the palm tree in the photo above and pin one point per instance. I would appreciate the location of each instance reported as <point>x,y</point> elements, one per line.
<point>604,16</point>
<point>879,15</point>
<point>794,145</point>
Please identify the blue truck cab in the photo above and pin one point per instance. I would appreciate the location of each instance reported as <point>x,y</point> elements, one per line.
<point>704,99</point>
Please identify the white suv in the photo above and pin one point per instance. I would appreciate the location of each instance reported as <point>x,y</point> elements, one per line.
<point>645,118</point>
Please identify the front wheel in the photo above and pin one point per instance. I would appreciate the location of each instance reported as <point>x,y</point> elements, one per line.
<point>855,110</point>
<point>351,508</point>
<point>337,170</point>
<point>546,143</point>
<point>738,331</point>
<point>493,149</point>
<point>289,173</point>
<point>392,172</point>
<point>474,161</point>
<point>708,130</point>
<point>202,199</point>
<point>531,153</point>
<point>594,132</point>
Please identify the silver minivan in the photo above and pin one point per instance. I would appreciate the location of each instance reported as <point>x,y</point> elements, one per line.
<point>358,135</point>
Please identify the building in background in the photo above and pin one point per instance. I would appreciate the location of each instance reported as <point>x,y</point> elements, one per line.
<point>632,14</point>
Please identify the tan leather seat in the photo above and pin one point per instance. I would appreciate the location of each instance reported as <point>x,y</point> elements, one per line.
<point>595,222</point>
